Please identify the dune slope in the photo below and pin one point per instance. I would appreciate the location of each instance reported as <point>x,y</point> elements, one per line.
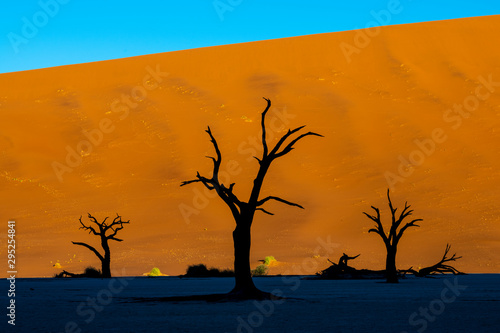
<point>412,107</point>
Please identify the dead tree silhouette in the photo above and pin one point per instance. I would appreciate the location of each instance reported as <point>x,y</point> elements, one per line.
<point>113,228</point>
<point>391,240</point>
<point>440,267</point>
<point>344,259</point>
<point>243,211</point>
<point>342,269</point>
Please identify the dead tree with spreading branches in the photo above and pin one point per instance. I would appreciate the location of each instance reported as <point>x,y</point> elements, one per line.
<point>344,259</point>
<point>440,267</point>
<point>243,211</point>
<point>391,239</point>
<point>106,232</point>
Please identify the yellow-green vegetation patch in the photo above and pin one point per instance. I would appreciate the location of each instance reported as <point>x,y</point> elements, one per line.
<point>269,260</point>
<point>155,272</point>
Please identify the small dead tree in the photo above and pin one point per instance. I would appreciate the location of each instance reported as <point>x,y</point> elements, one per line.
<point>391,239</point>
<point>440,267</point>
<point>344,259</point>
<point>341,270</point>
<point>101,230</point>
<point>243,211</point>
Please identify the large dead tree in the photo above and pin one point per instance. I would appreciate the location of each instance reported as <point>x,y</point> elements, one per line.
<point>391,239</point>
<point>243,211</point>
<point>440,267</point>
<point>101,230</point>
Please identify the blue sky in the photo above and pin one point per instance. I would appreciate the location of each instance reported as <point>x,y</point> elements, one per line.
<point>46,33</point>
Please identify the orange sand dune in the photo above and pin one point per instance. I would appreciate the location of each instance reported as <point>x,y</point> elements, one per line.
<point>416,104</point>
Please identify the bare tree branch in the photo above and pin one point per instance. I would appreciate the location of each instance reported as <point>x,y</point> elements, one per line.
<point>379,228</point>
<point>381,233</point>
<point>289,147</point>
<point>208,183</point>
<point>226,194</point>
<point>263,210</point>
<point>258,159</point>
<point>409,224</point>
<point>187,182</point>
<point>93,219</point>
<point>116,221</point>
<point>453,258</point>
<point>261,202</point>
<point>91,248</point>
<point>89,228</point>
<point>263,125</point>
<point>103,223</point>
<point>218,160</point>
<point>440,267</point>
<point>404,214</point>
<point>283,139</point>
<point>393,230</point>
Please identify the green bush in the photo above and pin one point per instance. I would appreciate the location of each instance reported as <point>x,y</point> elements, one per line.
<point>92,272</point>
<point>201,270</point>
<point>260,270</point>
<point>268,260</point>
<point>89,272</point>
<point>197,270</point>
<point>155,272</point>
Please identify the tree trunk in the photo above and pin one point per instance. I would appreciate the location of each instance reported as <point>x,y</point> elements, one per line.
<point>106,263</point>
<point>106,268</point>
<point>390,266</point>
<point>244,284</point>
